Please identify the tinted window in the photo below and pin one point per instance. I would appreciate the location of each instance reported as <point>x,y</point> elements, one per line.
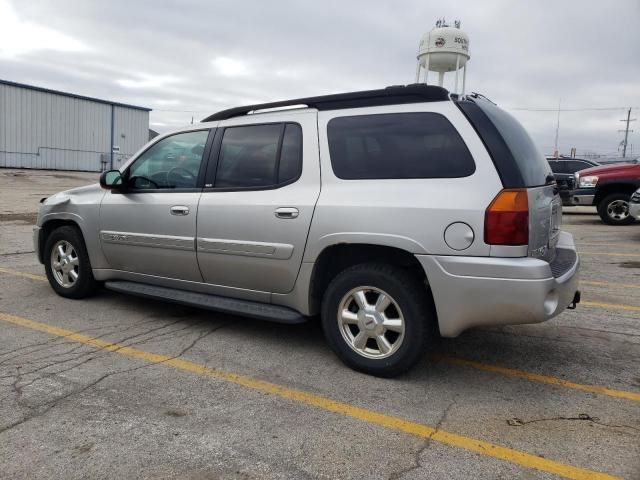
<point>253,156</point>
<point>531,163</point>
<point>556,166</point>
<point>291,155</point>
<point>398,145</point>
<point>576,166</point>
<point>173,162</point>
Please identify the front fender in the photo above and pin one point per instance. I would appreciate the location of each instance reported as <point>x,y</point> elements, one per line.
<point>82,208</point>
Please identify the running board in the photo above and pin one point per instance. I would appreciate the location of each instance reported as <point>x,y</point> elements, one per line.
<point>247,308</point>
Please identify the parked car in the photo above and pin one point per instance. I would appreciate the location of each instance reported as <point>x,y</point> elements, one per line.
<point>609,188</point>
<point>634,205</point>
<point>394,214</point>
<point>564,170</point>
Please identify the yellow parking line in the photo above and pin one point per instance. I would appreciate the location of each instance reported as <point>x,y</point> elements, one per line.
<point>22,274</point>
<point>606,244</point>
<point>611,254</point>
<point>494,368</point>
<point>608,284</point>
<point>611,306</point>
<point>524,459</point>
<point>536,377</point>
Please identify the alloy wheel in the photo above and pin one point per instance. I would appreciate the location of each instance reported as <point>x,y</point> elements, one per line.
<point>371,322</point>
<point>65,264</point>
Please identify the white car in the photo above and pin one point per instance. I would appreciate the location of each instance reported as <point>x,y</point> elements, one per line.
<point>634,205</point>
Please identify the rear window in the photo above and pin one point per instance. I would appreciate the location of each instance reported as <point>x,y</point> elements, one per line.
<point>397,145</point>
<point>532,165</point>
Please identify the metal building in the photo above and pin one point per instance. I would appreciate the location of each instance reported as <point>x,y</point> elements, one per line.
<point>48,129</point>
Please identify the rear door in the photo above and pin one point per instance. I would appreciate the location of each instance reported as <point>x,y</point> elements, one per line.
<point>254,215</point>
<point>151,227</point>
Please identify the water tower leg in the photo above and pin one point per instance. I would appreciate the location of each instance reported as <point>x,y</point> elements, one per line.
<point>426,70</point>
<point>464,77</point>
<point>440,78</point>
<point>418,73</point>
<point>457,68</point>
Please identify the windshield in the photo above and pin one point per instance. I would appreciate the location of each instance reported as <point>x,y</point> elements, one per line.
<point>532,164</point>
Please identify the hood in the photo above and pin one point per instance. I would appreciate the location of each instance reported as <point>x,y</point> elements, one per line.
<point>62,197</point>
<point>610,169</point>
<point>79,190</point>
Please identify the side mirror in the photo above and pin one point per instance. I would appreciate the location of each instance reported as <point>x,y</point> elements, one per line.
<point>111,180</point>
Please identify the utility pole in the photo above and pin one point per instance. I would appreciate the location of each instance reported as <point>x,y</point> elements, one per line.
<point>626,132</point>
<point>555,147</point>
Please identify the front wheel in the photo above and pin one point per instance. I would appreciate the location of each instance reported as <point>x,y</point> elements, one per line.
<point>614,209</point>
<point>67,263</point>
<point>377,318</point>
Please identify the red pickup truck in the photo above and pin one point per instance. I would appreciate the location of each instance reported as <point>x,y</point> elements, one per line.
<point>609,188</point>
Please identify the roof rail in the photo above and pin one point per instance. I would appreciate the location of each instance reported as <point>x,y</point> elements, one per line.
<point>414,93</point>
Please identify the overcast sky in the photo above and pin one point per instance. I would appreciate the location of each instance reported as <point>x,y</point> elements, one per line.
<point>203,56</point>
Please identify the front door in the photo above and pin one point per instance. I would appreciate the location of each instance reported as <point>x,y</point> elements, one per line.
<point>257,205</point>
<point>150,228</point>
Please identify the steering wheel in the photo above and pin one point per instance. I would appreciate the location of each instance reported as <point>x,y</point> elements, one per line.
<point>182,175</point>
<point>139,178</point>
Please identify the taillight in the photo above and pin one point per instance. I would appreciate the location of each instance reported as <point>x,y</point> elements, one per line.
<point>506,221</point>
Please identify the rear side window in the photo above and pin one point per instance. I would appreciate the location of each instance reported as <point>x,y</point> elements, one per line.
<point>557,166</point>
<point>518,160</point>
<point>258,156</point>
<point>397,145</point>
<point>576,166</point>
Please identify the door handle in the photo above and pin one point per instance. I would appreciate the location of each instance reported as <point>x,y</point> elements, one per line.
<point>179,210</point>
<point>287,212</point>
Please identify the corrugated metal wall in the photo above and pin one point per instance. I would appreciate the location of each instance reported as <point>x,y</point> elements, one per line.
<point>53,131</point>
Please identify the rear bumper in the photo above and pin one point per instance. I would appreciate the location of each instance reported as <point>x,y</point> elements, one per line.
<point>484,291</point>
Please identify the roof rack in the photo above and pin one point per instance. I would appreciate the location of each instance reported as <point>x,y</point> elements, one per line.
<point>397,94</point>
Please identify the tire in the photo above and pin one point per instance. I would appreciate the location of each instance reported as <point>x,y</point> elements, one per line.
<point>410,306</point>
<point>614,209</point>
<point>65,257</point>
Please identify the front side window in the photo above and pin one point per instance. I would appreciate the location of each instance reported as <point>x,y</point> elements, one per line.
<point>397,145</point>
<point>173,162</point>
<point>257,156</point>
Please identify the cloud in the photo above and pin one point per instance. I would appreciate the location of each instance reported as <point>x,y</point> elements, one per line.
<point>148,81</point>
<point>192,58</point>
<point>18,37</point>
<point>231,67</point>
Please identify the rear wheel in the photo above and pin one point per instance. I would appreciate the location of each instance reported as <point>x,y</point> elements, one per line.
<point>377,318</point>
<point>67,263</point>
<point>614,209</point>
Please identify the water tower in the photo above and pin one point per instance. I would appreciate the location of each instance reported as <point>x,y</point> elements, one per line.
<point>444,49</point>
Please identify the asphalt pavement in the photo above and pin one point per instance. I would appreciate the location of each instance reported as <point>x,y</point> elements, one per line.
<point>122,387</point>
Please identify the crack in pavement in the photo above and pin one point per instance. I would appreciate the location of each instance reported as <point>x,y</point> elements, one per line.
<point>75,347</point>
<point>94,354</point>
<point>61,340</point>
<point>48,406</point>
<point>425,445</point>
<point>516,422</point>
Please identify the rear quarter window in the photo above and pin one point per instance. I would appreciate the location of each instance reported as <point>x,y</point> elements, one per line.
<point>396,146</point>
<point>517,159</point>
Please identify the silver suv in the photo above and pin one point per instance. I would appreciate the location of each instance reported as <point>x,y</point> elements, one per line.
<point>395,214</point>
